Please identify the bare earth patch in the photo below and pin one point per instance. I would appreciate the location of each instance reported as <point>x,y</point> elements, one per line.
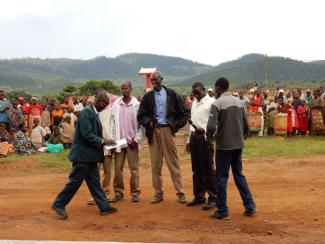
<point>289,193</point>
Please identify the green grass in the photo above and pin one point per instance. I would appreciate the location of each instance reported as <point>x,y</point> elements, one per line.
<point>57,162</point>
<point>282,146</point>
<point>254,147</point>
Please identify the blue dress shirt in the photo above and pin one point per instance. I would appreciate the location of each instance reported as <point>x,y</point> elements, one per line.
<point>161,106</point>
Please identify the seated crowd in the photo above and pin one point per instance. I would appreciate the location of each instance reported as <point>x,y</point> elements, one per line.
<point>28,128</point>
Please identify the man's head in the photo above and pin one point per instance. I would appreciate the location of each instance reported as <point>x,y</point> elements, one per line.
<point>52,101</point>
<point>280,100</point>
<point>156,80</point>
<point>221,86</point>
<point>14,103</point>
<point>316,93</point>
<point>257,92</point>
<point>210,92</point>
<point>67,118</point>
<point>101,101</point>
<point>198,90</point>
<point>2,95</point>
<point>126,89</point>
<point>2,127</point>
<point>36,122</point>
<point>21,100</point>
<point>66,99</point>
<point>241,94</point>
<point>56,130</point>
<point>303,101</point>
<point>34,100</point>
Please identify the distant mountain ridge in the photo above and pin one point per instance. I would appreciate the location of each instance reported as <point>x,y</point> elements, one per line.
<point>51,75</point>
<point>252,67</point>
<point>36,74</point>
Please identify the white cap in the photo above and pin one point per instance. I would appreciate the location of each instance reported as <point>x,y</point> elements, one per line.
<point>281,90</point>
<point>210,90</point>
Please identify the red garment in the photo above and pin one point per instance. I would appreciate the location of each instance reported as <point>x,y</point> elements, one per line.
<point>292,116</point>
<point>34,110</point>
<point>302,113</point>
<point>258,101</point>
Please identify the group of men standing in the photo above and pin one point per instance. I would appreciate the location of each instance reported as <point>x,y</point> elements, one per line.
<point>161,113</point>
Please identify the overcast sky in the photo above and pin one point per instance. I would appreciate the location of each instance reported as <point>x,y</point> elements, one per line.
<point>202,30</point>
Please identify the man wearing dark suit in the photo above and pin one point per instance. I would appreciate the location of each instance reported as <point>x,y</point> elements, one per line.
<point>86,152</point>
<point>163,112</point>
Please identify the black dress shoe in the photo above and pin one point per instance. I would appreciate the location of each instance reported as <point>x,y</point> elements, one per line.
<point>220,215</point>
<point>117,198</point>
<point>60,212</point>
<point>195,202</point>
<point>108,211</point>
<point>250,212</point>
<point>209,205</point>
<point>157,199</point>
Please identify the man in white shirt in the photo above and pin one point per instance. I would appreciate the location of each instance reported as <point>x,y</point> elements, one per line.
<point>201,150</point>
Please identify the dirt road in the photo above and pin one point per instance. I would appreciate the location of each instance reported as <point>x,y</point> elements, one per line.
<point>289,193</point>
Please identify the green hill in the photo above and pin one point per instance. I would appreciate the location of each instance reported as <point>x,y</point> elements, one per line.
<point>39,76</point>
<point>50,75</point>
<point>249,68</point>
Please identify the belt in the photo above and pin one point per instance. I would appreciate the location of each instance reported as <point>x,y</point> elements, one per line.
<point>158,126</point>
<point>197,133</point>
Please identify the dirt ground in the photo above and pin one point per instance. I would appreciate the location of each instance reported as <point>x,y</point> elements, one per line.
<point>289,193</point>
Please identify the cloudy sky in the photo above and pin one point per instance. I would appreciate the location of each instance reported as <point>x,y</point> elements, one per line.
<point>208,31</point>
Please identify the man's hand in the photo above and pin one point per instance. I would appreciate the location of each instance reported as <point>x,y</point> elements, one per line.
<point>133,144</point>
<point>188,148</point>
<point>151,125</point>
<point>109,142</point>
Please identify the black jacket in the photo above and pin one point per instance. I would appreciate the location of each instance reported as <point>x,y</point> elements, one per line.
<point>178,113</point>
<point>87,145</point>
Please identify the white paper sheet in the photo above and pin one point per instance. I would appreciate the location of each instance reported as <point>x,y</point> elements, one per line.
<point>119,143</point>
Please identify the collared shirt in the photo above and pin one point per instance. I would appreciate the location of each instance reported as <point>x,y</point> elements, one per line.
<point>161,106</point>
<point>200,112</point>
<point>78,107</point>
<point>127,128</point>
<point>96,112</point>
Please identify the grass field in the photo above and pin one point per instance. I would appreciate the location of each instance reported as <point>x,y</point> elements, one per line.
<point>254,147</point>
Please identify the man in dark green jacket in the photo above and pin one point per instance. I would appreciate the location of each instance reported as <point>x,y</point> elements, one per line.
<point>86,152</point>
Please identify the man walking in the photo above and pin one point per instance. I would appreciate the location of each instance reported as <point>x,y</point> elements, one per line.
<point>86,152</point>
<point>124,124</point>
<point>228,125</point>
<point>201,150</point>
<point>163,112</point>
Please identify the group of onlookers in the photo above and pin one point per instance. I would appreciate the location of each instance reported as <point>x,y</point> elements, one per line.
<point>27,128</point>
<point>304,111</point>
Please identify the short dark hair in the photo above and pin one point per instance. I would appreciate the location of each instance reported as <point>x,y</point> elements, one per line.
<point>223,83</point>
<point>198,84</point>
<point>102,96</point>
<point>127,83</point>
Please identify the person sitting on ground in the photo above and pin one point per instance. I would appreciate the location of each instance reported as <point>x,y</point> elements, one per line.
<point>38,133</point>
<point>72,115</point>
<point>56,137</point>
<point>24,144</point>
<point>67,131</point>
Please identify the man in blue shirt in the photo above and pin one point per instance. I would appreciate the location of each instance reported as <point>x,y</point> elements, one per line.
<point>163,112</point>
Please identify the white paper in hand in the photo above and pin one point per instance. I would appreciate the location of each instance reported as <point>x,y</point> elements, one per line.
<point>119,143</point>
